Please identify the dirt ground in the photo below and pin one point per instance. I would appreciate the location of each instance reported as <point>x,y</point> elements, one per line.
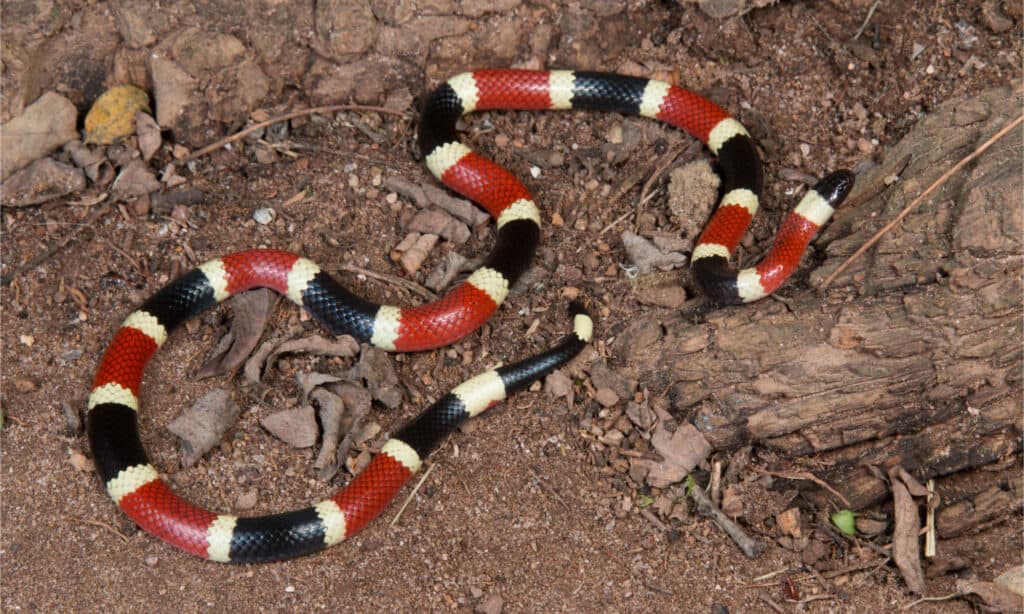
<point>522,511</point>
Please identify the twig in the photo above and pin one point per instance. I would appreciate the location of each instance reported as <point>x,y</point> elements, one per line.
<point>926,599</point>
<point>806,600</point>
<point>771,604</point>
<point>750,546</point>
<point>411,286</point>
<point>666,162</point>
<point>56,247</point>
<point>614,222</point>
<point>829,574</point>
<point>804,475</point>
<point>715,485</point>
<point>929,525</point>
<point>102,525</point>
<point>917,201</point>
<point>864,26</point>
<point>412,494</point>
<point>280,118</point>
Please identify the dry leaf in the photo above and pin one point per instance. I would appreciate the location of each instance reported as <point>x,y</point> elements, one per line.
<point>149,134</point>
<point>201,427</point>
<point>250,310</point>
<point>907,527</point>
<point>112,116</point>
<point>296,427</point>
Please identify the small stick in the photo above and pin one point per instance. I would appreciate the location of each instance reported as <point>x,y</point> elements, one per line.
<point>750,546</point>
<point>917,201</point>
<point>810,599</point>
<point>835,573</point>
<point>651,518</point>
<point>929,523</point>
<point>666,162</point>
<point>863,26</point>
<point>804,475</point>
<point>412,494</point>
<point>280,118</point>
<point>102,525</point>
<point>716,482</point>
<point>767,600</point>
<point>411,286</point>
<point>926,599</point>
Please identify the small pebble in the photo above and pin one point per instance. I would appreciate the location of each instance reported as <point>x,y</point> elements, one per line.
<point>264,215</point>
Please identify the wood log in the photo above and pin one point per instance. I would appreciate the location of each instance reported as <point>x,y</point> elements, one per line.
<point>912,357</point>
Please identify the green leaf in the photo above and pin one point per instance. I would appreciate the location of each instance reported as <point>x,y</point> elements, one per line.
<point>844,521</point>
<point>645,501</point>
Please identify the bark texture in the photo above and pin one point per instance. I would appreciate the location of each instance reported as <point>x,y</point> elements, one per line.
<point>912,357</point>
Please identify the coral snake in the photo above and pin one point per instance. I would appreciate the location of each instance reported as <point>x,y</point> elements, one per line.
<point>135,484</point>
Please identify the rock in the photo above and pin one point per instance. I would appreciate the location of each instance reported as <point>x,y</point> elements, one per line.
<point>641,415</point>
<point>173,89</point>
<point>393,12</point>
<point>139,25</point>
<point>601,376</point>
<point>200,51</point>
<point>201,427</point>
<point>1012,580</point>
<point>344,29</point>
<point>327,83</point>
<point>296,427</point>
<point>994,18</point>
<point>685,448</point>
<point>45,125</point>
<point>647,257</point>
<point>606,397</point>
<point>43,180</point>
<point>720,9</point>
<point>135,179</point>
<point>247,500</point>
<point>478,8</point>
<point>671,296</point>
<point>240,89</point>
<point>433,221</point>
<point>789,522</point>
<point>493,604</point>
<point>149,135</point>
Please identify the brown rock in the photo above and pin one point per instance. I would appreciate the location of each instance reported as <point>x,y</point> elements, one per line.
<point>135,179</point>
<point>173,89</point>
<point>344,29</point>
<point>43,180</point>
<point>48,123</point>
<point>671,296</point>
<point>199,51</point>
